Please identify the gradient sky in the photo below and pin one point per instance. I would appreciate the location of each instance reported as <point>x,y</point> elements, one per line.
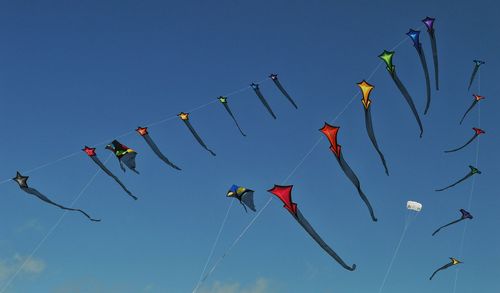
<point>84,72</point>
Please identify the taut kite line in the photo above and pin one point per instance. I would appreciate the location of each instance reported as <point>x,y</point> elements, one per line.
<point>453,262</point>
<point>415,37</point>
<point>386,56</point>
<point>23,184</point>
<point>476,100</point>
<point>331,133</point>
<point>223,101</point>
<point>366,89</point>
<point>429,23</point>
<point>143,131</point>
<point>92,154</point>
<point>284,193</point>
<point>472,172</point>
<point>257,91</point>
<point>477,64</point>
<point>464,216</point>
<point>477,132</point>
<point>185,118</point>
<point>277,82</point>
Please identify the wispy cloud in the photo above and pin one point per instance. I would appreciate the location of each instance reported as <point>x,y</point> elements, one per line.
<point>261,285</point>
<point>9,267</point>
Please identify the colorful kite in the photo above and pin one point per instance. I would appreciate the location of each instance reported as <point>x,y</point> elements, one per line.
<point>472,172</point>
<point>331,133</point>
<point>284,193</point>
<point>257,91</point>
<point>477,64</point>
<point>23,184</point>
<point>476,134</point>
<point>185,118</point>
<point>453,262</point>
<point>143,131</point>
<point>465,215</point>
<point>125,155</point>
<point>277,82</point>
<point>245,196</point>
<point>366,89</point>
<point>476,100</point>
<point>223,100</point>
<point>415,37</point>
<point>92,154</point>
<point>387,57</point>
<point>429,23</point>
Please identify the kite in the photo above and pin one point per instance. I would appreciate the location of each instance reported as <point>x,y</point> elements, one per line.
<point>223,100</point>
<point>366,89</point>
<point>386,56</point>
<point>476,134</point>
<point>476,100</point>
<point>414,206</point>
<point>143,131</point>
<point>185,118</point>
<point>465,215</point>
<point>429,23</point>
<point>477,64</point>
<point>415,37</point>
<point>453,262</point>
<point>257,91</point>
<point>277,82</point>
<point>244,195</point>
<point>23,184</point>
<point>92,154</point>
<point>472,172</point>
<point>331,133</point>
<point>284,193</point>
<point>125,155</point>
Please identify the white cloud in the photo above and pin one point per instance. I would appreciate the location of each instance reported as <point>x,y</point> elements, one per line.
<point>25,266</point>
<point>261,285</point>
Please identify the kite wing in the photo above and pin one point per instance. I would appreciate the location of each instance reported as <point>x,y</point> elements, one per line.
<point>125,155</point>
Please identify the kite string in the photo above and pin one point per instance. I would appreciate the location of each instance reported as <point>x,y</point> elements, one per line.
<point>37,247</point>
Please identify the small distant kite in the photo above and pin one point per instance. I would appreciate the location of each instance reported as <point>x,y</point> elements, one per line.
<point>477,132</point>
<point>23,184</point>
<point>331,133</point>
<point>453,262</point>
<point>472,172</point>
<point>476,100</point>
<point>143,131</point>
<point>386,56</point>
<point>277,82</point>
<point>125,155</point>
<point>92,154</point>
<point>185,118</point>
<point>415,37</point>
<point>366,89</point>
<point>284,193</point>
<point>223,101</point>
<point>257,91</point>
<point>414,206</point>
<point>464,216</point>
<point>429,23</point>
<point>477,64</point>
<point>244,195</point>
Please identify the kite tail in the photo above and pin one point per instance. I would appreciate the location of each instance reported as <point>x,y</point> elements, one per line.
<point>354,179</point>
<point>466,144</point>
<point>440,269</point>
<point>371,134</point>
<point>310,230</point>
<point>246,211</point>
<point>421,54</point>
<point>468,110</point>
<point>461,180</point>
<point>157,151</point>
<point>234,118</point>
<point>198,138</point>
<point>474,72</point>
<point>409,100</point>
<point>110,174</point>
<point>264,102</point>
<point>435,58</point>
<point>438,229</point>
<point>284,92</point>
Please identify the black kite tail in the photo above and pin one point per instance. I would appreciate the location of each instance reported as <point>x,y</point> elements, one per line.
<point>468,110</point>
<point>197,137</point>
<point>371,134</point>
<point>440,269</point>
<point>110,174</point>
<point>234,118</point>
<point>451,223</point>
<point>409,100</point>
<point>466,144</point>
<point>474,72</point>
<point>264,101</point>
<point>435,57</point>
<point>421,54</point>
<point>158,152</point>
<point>284,92</point>
<point>459,181</point>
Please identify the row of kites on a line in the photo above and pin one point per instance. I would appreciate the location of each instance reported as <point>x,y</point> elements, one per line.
<point>126,156</point>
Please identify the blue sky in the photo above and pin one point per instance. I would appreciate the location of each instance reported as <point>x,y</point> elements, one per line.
<point>76,73</point>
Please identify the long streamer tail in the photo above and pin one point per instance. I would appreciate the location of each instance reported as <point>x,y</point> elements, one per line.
<point>409,100</point>
<point>198,138</point>
<point>466,144</point>
<point>158,152</point>
<point>284,92</point>
<point>468,110</point>
<point>264,102</point>
<point>310,230</point>
<point>435,58</point>
<point>474,72</point>
<point>371,135</point>
<point>354,179</point>
<point>110,174</point>
<point>421,54</point>
<point>459,181</point>
<point>440,269</point>
<point>234,118</point>
<point>444,226</point>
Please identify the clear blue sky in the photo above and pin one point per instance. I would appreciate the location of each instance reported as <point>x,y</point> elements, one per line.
<point>75,73</point>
